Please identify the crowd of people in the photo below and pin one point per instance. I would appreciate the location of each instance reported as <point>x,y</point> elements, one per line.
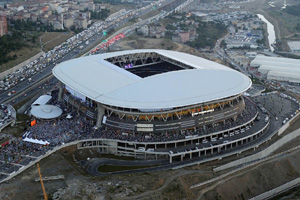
<point>65,130</point>
<point>17,153</point>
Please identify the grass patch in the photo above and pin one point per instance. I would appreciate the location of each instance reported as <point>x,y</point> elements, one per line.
<point>19,127</point>
<point>22,55</point>
<point>22,117</point>
<point>286,20</point>
<point>111,156</point>
<point>119,168</point>
<point>24,101</point>
<point>150,14</point>
<point>256,81</point>
<point>4,140</point>
<point>52,39</point>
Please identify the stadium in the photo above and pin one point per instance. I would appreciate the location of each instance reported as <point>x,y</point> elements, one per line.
<point>146,98</point>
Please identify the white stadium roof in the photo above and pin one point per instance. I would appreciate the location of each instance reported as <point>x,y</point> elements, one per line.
<point>109,84</point>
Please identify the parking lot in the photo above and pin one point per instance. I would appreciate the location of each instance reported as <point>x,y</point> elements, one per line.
<point>281,106</point>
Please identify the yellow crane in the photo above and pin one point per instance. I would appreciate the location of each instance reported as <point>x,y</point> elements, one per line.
<point>44,191</point>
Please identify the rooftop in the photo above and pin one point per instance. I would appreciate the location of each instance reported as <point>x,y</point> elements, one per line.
<point>201,80</point>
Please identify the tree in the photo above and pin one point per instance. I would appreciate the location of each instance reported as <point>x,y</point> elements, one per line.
<point>223,44</point>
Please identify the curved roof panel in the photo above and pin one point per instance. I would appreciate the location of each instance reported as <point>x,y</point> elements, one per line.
<point>109,84</point>
<point>275,61</point>
<point>46,111</point>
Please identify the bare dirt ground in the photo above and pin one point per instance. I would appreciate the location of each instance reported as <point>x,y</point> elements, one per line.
<point>79,185</point>
<point>170,184</point>
<point>256,180</point>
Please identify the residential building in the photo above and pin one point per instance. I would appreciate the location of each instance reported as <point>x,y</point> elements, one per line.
<point>3,25</point>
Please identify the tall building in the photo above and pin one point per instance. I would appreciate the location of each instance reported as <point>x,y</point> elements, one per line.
<point>3,25</point>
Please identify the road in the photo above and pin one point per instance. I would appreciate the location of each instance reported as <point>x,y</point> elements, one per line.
<point>23,87</point>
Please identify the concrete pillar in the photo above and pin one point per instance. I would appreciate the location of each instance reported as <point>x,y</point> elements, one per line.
<point>171,159</point>
<point>60,92</point>
<point>100,113</point>
<point>190,155</point>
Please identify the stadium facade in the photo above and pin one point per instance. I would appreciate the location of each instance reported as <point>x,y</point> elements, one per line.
<point>151,90</point>
<point>158,104</point>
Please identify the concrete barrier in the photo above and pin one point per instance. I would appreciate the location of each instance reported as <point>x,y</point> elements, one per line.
<point>271,193</point>
<point>262,154</point>
<point>221,177</point>
<point>26,62</point>
<point>288,123</point>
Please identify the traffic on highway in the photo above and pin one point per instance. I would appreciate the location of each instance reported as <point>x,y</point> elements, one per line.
<point>29,75</point>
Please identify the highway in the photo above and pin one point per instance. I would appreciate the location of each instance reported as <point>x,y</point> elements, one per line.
<point>26,88</point>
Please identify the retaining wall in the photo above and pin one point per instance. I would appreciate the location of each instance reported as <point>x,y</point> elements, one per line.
<point>38,160</point>
<point>271,193</point>
<point>262,154</point>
